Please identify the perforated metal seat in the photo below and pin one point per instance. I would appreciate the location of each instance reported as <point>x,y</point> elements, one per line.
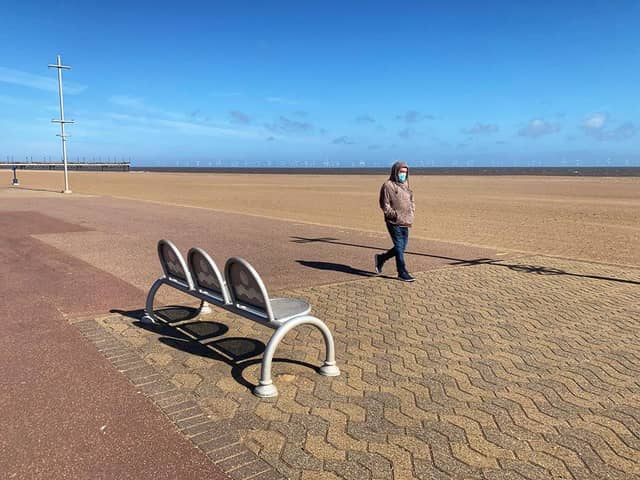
<point>285,308</point>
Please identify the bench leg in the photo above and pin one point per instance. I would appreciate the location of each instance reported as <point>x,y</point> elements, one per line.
<point>149,317</point>
<point>266,388</point>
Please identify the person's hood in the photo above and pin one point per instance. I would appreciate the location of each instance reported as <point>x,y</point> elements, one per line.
<point>395,169</point>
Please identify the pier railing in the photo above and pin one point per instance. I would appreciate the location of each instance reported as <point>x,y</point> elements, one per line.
<point>88,166</point>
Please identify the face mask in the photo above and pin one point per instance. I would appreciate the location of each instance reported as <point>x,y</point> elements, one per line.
<point>402,177</point>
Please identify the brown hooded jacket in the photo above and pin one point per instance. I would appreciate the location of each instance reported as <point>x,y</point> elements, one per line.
<point>396,198</point>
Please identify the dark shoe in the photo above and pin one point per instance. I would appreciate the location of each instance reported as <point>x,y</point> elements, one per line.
<point>405,277</point>
<point>378,263</point>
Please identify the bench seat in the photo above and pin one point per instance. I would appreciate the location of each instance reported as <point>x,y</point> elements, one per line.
<point>286,308</point>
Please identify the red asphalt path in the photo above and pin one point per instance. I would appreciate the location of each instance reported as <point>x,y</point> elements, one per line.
<point>64,411</point>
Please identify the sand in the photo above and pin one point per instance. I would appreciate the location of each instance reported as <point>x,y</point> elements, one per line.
<point>588,218</point>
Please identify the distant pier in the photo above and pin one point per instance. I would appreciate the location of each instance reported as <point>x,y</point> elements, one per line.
<point>76,166</point>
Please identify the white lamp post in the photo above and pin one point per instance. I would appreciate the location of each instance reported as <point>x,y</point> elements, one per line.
<point>62,121</point>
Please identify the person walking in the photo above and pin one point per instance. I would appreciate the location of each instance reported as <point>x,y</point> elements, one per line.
<point>396,202</point>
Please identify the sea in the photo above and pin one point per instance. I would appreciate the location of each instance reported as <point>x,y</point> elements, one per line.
<point>608,171</point>
<point>545,171</point>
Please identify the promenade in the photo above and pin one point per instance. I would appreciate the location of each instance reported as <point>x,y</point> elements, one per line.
<point>494,364</point>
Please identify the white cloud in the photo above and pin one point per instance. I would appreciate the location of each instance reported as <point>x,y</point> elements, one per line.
<point>413,116</point>
<point>480,128</point>
<point>595,120</point>
<point>160,125</point>
<point>40,82</point>
<point>286,125</point>
<point>282,100</point>
<point>203,130</point>
<point>138,106</point>
<point>138,114</point>
<point>407,133</point>
<point>225,94</point>
<point>239,117</point>
<point>595,126</point>
<point>344,140</point>
<point>9,100</point>
<point>537,128</point>
<point>127,101</point>
<point>366,118</point>
<point>19,104</point>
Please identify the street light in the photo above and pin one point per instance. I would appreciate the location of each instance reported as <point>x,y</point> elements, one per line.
<point>62,122</point>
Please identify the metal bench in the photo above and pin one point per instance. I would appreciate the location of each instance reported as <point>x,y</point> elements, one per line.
<point>240,291</point>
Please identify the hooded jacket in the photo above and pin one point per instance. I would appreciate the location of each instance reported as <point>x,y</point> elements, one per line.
<point>396,198</point>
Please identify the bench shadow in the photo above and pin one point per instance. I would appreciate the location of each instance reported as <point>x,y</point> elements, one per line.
<point>169,314</point>
<point>239,353</point>
<point>180,329</point>
<point>535,269</point>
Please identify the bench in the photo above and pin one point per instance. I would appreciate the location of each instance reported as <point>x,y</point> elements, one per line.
<point>242,292</point>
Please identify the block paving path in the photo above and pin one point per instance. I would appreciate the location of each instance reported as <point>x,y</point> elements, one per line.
<point>521,368</point>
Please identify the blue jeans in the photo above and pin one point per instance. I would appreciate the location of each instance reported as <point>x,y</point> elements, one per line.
<point>400,237</point>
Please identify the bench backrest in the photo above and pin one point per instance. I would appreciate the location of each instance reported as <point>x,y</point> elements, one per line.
<point>247,289</point>
<point>206,277</point>
<point>174,267</point>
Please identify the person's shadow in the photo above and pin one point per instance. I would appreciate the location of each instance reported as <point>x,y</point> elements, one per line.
<point>336,267</point>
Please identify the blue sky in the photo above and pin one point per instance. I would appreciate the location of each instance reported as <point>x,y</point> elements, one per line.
<point>325,83</point>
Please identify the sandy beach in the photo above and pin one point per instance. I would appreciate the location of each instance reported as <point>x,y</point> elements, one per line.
<point>594,218</point>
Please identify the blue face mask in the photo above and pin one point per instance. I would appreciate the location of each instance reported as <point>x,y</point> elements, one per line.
<point>402,177</point>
